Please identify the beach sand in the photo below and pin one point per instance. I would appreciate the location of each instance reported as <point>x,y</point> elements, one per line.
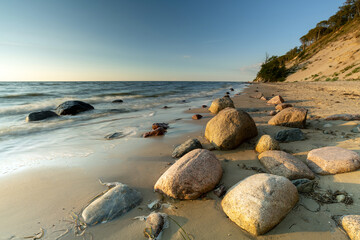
<point>44,198</point>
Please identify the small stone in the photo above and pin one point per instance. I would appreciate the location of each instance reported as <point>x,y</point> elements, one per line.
<point>356,129</point>
<point>220,191</point>
<point>340,198</point>
<point>290,135</point>
<point>186,147</point>
<point>204,106</point>
<point>263,98</point>
<point>165,107</point>
<point>196,116</point>
<point>231,89</point>
<point>155,222</point>
<point>157,125</point>
<point>117,101</point>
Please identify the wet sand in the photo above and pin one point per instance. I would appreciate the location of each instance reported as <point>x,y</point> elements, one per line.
<point>46,197</point>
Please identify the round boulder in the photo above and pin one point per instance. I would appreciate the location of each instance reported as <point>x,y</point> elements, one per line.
<point>260,202</point>
<point>38,116</point>
<point>221,103</point>
<point>73,108</point>
<point>332,160</point>
<point>290,117</point>
<point>230,128</point>
<point>266,143</point>
<point>197,172</point>
<point>284,164</point>
<point>351,225</point>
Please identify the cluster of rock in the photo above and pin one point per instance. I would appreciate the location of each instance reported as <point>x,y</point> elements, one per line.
<point>66,108</point>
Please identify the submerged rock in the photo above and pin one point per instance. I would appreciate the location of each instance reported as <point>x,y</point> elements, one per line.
<point>115,135</point>
<point>73,108</point>
<point>118,101</point>
<point>266,143</point>
<point>156,132</point>
<point>351,225</point>
<point>259,202</point>
<point>284,164</point>
<point>229,128</point>
<point>332,160</point>
<point>186,147</point>
<point>290,117</point>
<point>290,135</point>
<point>221,103</point>
<point>197,172</point>
<point>276,100</point>
<point>118,200</point>
<point>38,116</point>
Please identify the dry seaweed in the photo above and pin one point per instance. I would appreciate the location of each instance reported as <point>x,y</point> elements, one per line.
<point>328,196</point>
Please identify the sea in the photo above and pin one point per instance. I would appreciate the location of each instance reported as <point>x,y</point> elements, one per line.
<point>64,140</point>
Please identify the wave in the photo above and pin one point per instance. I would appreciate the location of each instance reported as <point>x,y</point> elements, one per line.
<point>24,95</point>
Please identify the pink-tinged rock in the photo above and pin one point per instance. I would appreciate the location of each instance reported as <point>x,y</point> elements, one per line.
<point>259,202</point>
<point>284,164</point>
<point>344,117</point>
<point>290,117</point>
<point>276,100</point>
<point>351,225</point>
<point>157,132</point>
<point>196,173</point>
<point>282,106</point>
<point>332,160</point>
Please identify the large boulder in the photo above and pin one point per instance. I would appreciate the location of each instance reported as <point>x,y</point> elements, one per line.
<point>351,225</point>
<point>332,160</point>
<point>290,135</point>
<point>197,172</point>
<point>290,117</point>
<point>73,108</point>
<point>260,202</point>
<point>276,100</point>
<point>230,128</point>
<point>186,147</point>
<point>118,200</point>
<point>221,103</point>
<point>38,116</point>
<point>266,143</point>
<point>284,164</point>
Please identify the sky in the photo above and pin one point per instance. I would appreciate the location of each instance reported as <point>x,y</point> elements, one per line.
<point>149,40</point>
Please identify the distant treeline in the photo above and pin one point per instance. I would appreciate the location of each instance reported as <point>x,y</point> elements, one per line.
<point>273,69</point>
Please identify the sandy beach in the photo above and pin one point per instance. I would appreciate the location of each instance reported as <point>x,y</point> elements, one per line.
<point>45,198</point>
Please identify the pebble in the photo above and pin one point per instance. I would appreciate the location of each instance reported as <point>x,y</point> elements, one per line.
<point>340,198</point>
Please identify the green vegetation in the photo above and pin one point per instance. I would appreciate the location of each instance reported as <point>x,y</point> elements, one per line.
<point>343,21</point>
<point>272,70</point>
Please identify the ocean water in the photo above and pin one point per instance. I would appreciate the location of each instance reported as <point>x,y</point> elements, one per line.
<point>68,138</point>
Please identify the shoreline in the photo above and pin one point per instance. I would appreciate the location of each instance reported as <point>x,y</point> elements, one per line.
<point>45,197</point>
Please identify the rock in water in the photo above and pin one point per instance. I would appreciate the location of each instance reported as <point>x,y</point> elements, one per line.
<point>290,135</point>
<point>114,135</point>
<point>157,125</point>
<point>197,117</point>
<point>351,224</point>
<point>282,106</point>
<point>266,143</point>
<point>276,100</point>
<point>38,116</point>
<point>186,147</point>
<point>156,132</point>
<point>260,202</point>
<point>117,101</point>
<point>286,165</point>
<point>344,117</point>
<point>290,117</point>
<point>221,103</point>
<point>118,200</point>
<point>229,128</point>
<point>73,108</point>
<point>197,172</point>
<point>332,160</point>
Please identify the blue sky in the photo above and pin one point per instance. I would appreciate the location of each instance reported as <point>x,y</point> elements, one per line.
<point>190,40</point>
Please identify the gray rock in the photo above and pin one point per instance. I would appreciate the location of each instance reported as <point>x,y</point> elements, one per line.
<point>114,135</point>
<point>155,222</point>
<point>304,185</point>
<point>290,135</point>
<point>356,129</point>
<point>186,147</point>
<point>117,101</point>
<point>38,116</point>
<point>73,108</point>
<point>118,200</point>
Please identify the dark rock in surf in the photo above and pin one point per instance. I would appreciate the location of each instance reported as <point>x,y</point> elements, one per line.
<point>204,106</point>
<point>231,89</point>
<point>118,101</point>
<point>157,125</point>
<point>196,116</point>
<point>115,135</point>
<point>38,116</point>
<point>156,132</point>
<point>73,108</point>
